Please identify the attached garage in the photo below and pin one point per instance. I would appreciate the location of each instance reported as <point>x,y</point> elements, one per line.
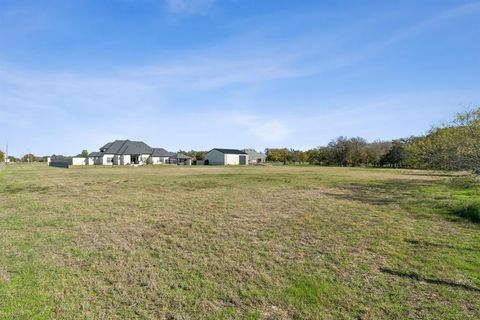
<point>226,157</point>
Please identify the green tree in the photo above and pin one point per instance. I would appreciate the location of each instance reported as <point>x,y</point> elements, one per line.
<point>396,157</point>
<point>468,152</point>
<point>375,151</point>
<point>84,153</point>
<point>454,146</point>
<point>312,156</point>
<point>2,156</point>
<point>200,155</point>
<point>29,158</point>
<point>356,151</point>
<point>273,155</point>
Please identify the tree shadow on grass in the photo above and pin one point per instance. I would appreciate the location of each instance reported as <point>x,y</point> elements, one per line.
<point>415,276</point>
<point>469,211</point>
<point>13,189</point>
<point>418,196</point>
<point>422,243</point>
<point>430,174</point>
<point>385,193</point>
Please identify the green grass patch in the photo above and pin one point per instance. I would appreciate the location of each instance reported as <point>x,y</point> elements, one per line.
<point>308,293</point>
<point>280,242</point>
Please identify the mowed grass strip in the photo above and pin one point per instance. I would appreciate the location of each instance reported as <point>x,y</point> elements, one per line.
<point>237,243</point>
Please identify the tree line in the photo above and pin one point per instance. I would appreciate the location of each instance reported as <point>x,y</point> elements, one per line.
<point>451,146</point>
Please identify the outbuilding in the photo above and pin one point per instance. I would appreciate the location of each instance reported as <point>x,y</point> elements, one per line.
<point>255,157</point>
<point>180,159</point>
<point>226,157</point>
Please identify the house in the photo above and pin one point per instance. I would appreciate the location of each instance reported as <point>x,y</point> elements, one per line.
<point>180,159</point>
<point>226,157</point>
<point>255,157</point>
<point>127,152</point>
<point>121,152</point>
<point>160,156</point>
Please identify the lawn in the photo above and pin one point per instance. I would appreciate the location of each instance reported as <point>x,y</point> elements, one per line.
<point>237,243</point>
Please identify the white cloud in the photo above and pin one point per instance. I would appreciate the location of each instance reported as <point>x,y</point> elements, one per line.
<point>141,102</point>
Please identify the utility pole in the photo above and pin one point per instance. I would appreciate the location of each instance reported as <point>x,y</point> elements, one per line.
<point>6,154</point>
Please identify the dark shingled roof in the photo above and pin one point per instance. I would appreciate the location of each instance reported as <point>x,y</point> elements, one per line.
<point>95,154</point>
<point>160,152</point>
<point>105,147</point>
<point>126,147</point>
<point>229,151</point>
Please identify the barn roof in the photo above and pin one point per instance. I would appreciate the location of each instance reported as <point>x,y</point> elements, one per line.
<point>229,151</point>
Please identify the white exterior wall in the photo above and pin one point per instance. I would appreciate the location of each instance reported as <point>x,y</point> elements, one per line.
<point>77,161</point>
<point>120,160</point>
<point>105,158</point>
<point>232,159</point>
<point>143,158</point>
<point>215,157</point>
<point>126,160</point>
<point>159,160</point>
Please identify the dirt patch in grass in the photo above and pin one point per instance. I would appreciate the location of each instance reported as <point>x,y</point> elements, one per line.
<point>4,275</point>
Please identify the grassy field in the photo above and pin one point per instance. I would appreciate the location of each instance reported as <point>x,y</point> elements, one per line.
<point>237,243</point>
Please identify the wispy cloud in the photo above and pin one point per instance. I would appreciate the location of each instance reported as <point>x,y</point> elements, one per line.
<point>265,129</point>
<point>155,101</point>
<point>435,20</point>
<point>91,109</point>
<point>189,6</point>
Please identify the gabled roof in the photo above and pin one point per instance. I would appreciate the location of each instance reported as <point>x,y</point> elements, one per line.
<point>95,154</point>
<point>105,147</point>
<point>229,151</point>
<point>126,147</point>
<point>160,152</point>
<point>253,154</point>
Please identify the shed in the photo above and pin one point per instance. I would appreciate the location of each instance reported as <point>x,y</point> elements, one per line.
<point>255,157</point>
<point>180,159</point>
<point>226,157</point>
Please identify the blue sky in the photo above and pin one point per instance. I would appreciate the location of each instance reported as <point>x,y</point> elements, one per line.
<point>198,74</point>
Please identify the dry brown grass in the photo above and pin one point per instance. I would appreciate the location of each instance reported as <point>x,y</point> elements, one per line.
<point>221,242</point>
